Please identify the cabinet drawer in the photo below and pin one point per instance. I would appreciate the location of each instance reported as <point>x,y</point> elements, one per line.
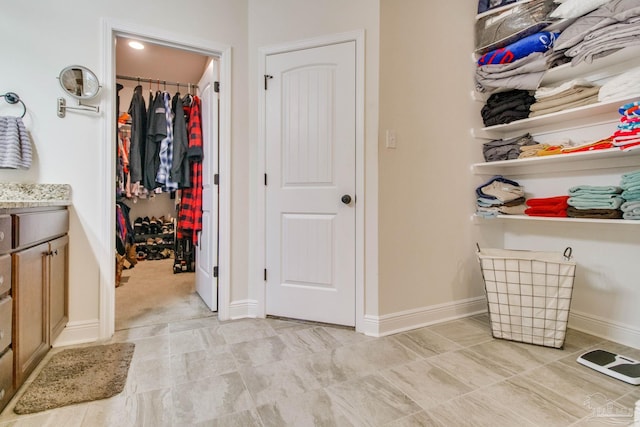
<point>6,311</point>
<point>29,228</point>
<point>6,378</point>
<point>5,233</point>
<point>5,273</point>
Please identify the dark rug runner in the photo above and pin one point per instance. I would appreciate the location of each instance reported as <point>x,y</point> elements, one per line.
<point>78,375</point>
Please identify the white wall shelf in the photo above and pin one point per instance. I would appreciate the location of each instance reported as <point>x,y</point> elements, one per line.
<point>588,160</point>
<point>482,220</point>
<point>574,117</point>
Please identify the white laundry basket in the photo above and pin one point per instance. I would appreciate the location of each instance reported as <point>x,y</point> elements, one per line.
<point>528,294</point>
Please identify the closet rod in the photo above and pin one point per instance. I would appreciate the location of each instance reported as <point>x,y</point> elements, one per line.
<point>157,81</point>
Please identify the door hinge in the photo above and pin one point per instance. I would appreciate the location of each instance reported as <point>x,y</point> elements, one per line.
<point>265,274</point>
<point>265,179</point>
<point>266,78</point>
<point>216,87</point>
<point>216,179</point>
<point>215,271</point>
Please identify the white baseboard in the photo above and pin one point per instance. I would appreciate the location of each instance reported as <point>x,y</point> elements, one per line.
<point>605,328</point>
<point>79,333</point>
<point>243,308</point>
<point>393,323</point>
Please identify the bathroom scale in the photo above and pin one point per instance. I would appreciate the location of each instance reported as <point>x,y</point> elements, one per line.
<point>614,365</point>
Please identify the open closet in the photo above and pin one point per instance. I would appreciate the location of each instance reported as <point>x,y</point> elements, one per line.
<point>166,239</point>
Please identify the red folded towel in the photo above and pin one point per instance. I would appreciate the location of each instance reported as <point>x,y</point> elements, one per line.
<point>548,201</point>
<point>544,212</point>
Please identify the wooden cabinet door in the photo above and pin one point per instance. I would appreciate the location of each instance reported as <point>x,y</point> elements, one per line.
<point>58,286</point>
<point>31,341</point>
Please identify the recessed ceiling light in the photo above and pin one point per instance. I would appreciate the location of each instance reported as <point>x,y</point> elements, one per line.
<point>136,45</point>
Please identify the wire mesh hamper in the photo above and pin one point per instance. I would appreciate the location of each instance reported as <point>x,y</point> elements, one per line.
<point>528,294</point>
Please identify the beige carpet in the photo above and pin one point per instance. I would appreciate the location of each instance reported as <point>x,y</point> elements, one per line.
<point>78,375</point>
<point>151,294</point>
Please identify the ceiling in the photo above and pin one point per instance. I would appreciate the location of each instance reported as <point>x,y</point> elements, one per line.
<point>159,62</point>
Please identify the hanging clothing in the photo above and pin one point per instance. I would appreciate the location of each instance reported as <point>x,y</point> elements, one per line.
<point>156,132</point>
<point>163,177</point>
<point>180,166</point>
<point>190,213</point>
<point>138,113</point>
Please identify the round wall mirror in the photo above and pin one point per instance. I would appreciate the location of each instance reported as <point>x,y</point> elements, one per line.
<point>79,82</point>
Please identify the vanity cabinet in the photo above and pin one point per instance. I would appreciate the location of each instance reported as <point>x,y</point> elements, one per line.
<point>39,285</point>
<point>7,388</point>
<point>34,249</point>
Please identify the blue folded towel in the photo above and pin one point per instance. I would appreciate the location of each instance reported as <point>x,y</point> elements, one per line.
<point>594,189</point>
<point>611,202</point>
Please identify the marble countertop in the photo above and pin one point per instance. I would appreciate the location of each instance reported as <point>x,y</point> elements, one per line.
<point>14,195</point>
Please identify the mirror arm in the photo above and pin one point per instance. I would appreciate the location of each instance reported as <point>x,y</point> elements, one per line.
<point>62,107</point>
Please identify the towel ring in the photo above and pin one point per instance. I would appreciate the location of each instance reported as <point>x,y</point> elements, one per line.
<point>13,98</point>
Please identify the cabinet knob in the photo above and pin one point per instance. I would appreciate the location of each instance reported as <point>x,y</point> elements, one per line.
<point>1,279</point>
<point>2,393</point>
<point>1,333</point>
<point>1,236</point>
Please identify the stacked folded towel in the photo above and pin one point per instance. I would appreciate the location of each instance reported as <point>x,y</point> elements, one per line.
<point>571,94</point>
<point>555,206</point>
<point>499,195</point>
<point>627,137</point>
<point>630,185</point>
<point>589,201</point>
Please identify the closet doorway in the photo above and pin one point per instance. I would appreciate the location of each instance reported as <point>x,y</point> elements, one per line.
<point>166,272</point>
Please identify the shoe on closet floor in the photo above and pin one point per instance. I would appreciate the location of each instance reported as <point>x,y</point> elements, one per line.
<point>137,226</point>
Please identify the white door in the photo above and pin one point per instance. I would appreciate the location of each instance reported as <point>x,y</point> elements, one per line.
<point>310,166</point>
<point>207,249</point>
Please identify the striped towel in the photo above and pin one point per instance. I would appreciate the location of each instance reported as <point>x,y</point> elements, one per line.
<point>15,144</point>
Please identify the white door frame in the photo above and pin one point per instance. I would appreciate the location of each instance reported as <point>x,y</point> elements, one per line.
<point>258,283</point>
<point>110,30</point>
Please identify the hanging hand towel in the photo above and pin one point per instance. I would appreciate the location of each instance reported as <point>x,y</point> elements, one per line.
<point>15,144</point>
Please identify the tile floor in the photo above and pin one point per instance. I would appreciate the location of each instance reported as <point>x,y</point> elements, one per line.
<point>271,372</point>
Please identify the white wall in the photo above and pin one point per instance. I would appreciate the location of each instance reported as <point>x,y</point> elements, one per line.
<point>427,240</point>
<point>275,22</point>
<point>40,41</point>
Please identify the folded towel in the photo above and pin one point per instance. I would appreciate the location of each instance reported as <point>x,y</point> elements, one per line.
<point>546,212</point>
<point>560,201</point>
<point>594,213</point>
<point>613,202</point>
<point>631,176</point>
<point>630,195</point>
<point>630,206</point>
<point>631,216</point>
<point>15,144</point>
<point>512,210</point>
<point>594,189</point>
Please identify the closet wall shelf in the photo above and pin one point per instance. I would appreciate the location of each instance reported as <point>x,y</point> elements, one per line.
<point>605,111</point>
<point>589,160</point>
<point>481,220</point>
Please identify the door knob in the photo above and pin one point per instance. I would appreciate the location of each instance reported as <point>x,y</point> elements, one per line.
<point>346,199</point>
